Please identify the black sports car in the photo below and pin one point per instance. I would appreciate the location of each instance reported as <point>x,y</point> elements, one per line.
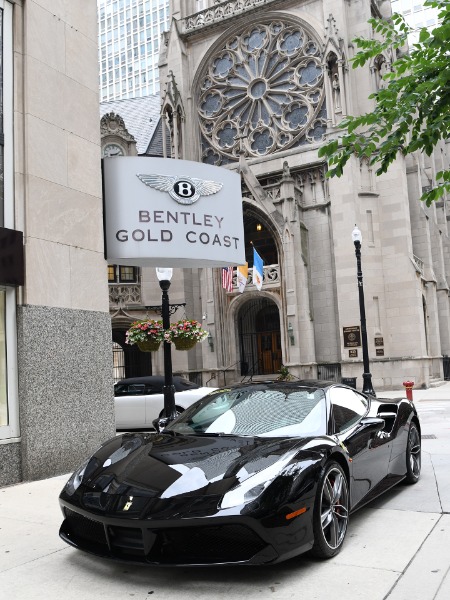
<point>251,474</point>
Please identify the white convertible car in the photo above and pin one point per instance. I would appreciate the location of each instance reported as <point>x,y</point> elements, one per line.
<point>140,400</point>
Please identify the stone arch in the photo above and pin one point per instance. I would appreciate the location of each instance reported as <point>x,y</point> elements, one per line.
<point>266,240</point>
<point>379,67</point>
<point>173,119</point>
<point>128,360</point>
<point>335,64</point>
<point>259,333</point>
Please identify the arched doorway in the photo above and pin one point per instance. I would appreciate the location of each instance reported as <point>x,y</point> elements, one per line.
<point>128,361</point>
<point>260,236</point>
<point>259,337</point>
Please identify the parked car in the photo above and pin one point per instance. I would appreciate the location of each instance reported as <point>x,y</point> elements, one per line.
<point>248,475</point>
<point>140,400</point>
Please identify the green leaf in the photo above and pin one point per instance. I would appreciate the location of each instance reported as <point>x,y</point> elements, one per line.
<point>412,111</point>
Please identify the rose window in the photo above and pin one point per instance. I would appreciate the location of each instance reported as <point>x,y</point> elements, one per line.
<point>262,93</point>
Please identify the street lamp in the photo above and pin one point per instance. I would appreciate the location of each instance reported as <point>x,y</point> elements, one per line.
<point>164,277</point>
<point>367,377</point>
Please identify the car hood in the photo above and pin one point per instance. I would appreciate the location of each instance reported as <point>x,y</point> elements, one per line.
<point>168,466</point>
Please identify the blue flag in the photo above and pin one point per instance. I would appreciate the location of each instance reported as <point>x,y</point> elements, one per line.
<point>258,270</point>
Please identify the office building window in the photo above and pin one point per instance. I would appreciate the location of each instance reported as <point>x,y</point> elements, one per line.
<point>9,421</point>
<point>123,274</point>
<point>142,23</point>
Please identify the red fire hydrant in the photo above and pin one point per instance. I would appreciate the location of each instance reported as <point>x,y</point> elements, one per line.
<point>409,389</point>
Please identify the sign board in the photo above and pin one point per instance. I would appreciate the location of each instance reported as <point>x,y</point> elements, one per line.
<point>353,353</point>
<point>379,351</point>
<point>171,213</point>
<point>379,341</point>
<point>352,336</point>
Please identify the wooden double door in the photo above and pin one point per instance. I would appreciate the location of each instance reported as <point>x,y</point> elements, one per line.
<point>260,338</point>
<point>269,352</point>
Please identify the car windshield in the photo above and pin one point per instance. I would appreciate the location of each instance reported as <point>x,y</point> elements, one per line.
<point>256,411</point>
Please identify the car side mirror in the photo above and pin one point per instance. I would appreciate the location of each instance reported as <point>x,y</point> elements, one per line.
<point>160,424</point>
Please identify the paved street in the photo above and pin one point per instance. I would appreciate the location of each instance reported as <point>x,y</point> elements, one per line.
<point>397,548</point>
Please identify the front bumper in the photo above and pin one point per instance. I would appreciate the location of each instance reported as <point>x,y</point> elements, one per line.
<point>233,540</point>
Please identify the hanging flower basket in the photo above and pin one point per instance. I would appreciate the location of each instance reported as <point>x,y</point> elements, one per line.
<point>149,345</point>
<point>184,343</point>
<point>147,335</point>
<point>185,334</point>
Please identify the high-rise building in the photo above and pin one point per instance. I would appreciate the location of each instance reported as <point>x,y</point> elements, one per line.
<point>129,34</point>
<point>416,15</point>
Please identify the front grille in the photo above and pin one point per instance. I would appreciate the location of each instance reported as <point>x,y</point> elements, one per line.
<point>126,541</point>
<point>179,545</point>
<point>223,543</point>
<point>84,531</point>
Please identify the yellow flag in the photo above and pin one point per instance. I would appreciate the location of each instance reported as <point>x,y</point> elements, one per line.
<point>242,276</point>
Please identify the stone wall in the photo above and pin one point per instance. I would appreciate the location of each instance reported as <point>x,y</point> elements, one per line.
<point>65,387</point>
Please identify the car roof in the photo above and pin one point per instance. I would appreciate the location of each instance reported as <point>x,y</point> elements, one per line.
<point>295,383</point>
<point>158,381</point>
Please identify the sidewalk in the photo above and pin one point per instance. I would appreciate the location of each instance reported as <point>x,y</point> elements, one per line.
<point>397,548</point>
<point>440,392</point>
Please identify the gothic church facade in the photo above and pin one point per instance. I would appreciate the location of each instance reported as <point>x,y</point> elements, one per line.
<point>256,86</point>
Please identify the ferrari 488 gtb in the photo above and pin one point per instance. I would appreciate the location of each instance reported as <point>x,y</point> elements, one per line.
<point>251,474</point>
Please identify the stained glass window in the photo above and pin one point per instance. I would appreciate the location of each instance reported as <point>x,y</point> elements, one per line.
<point>262,91</point>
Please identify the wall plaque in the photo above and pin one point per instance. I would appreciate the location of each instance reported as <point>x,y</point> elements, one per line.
<point>352,336</point>
<point>379,351</point>
<point>379,341</point>
<point>353,353</point>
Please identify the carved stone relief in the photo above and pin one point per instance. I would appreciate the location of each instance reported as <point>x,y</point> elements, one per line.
<point>115,137</point>
<point>336,67</point>
<point>173,119</point>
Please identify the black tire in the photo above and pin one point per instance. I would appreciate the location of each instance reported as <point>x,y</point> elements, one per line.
<point>331,509</point>
<point>413,455</point>
<point>179,410</point>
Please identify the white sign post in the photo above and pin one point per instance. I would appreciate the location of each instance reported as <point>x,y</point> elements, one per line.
<point>171,213</point>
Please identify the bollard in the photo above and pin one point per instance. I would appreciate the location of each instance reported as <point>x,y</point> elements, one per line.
<point>409,389</point>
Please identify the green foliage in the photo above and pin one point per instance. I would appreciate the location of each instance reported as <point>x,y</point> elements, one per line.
<point>412,111</point>
<point>284,374</point>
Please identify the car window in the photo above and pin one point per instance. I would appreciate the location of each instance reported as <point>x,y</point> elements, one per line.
<point>257,411</point>
<point>129,389</point>
<point>151,386</point>
<point>153,389</point>
<point>347,407</point>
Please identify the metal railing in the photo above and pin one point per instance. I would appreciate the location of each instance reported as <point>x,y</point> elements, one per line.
<point>220,12</point>
<point>271,278</point>
<point>329,372</point>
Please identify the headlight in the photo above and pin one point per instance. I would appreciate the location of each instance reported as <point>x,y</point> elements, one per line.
<point>77,477</point>
<point>245,492</point>
<point>251,488</point>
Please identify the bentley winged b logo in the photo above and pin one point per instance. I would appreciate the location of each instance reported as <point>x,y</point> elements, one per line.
<point>184,190</point>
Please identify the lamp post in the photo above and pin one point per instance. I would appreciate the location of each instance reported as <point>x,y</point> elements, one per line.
<point>164,277</point>
<point>367,377</point>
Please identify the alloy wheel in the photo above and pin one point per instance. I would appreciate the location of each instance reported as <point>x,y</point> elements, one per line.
<point>334,508</point>
<point>414,452</point>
